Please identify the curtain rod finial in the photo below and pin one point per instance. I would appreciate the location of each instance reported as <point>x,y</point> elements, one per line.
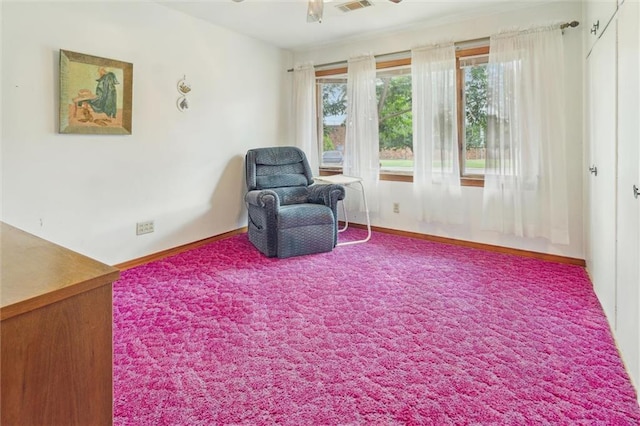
<point>571,24</point>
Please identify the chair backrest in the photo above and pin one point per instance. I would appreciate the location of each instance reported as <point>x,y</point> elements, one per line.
<point>277,167</point>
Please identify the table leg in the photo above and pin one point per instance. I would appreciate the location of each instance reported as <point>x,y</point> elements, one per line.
<point>346,219</point>
<point>366,209</point>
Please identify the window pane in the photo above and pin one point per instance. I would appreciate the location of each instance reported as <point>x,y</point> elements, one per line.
<point>393,91</point>
<point>333,115</point>
<point>475,114</point>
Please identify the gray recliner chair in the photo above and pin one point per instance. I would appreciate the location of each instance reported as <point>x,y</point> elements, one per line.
<point>288,215</point>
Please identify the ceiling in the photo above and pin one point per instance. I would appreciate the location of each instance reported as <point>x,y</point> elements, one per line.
<point>283,22</point>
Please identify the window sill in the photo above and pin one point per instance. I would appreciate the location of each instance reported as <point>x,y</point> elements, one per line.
<point>396,177</point>
<point>328,171</point>
<point>477,182</point>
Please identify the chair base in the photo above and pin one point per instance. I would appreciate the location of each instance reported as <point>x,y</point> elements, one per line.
<point>301,229</point>
<point>305,240</point>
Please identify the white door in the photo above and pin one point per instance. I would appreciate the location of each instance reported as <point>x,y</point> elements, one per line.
<point>628,210</point>
<point>601,255</point>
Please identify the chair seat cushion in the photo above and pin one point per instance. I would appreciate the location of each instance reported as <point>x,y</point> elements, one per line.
<point>296,215</point>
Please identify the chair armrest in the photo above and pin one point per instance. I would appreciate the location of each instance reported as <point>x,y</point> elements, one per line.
<point>264,198</point>
<point>329,195</point>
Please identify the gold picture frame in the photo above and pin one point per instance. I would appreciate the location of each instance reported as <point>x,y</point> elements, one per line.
<point>95,94</point>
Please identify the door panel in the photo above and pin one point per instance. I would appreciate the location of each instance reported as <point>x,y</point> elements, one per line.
<point>628,210</point>
<point>602,187</point>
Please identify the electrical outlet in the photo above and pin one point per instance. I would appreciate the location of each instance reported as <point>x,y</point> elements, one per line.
<point>144,227</point>
<point>396,207</point>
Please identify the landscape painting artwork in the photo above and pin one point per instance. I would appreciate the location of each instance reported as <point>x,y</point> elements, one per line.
<point>95,94</point>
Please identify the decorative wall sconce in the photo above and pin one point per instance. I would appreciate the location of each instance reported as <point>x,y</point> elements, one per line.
<point>183,88</point>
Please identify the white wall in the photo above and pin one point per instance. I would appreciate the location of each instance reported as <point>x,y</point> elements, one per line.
<point>399,192</point>
<point>1,97</point>
<point>183,170</point>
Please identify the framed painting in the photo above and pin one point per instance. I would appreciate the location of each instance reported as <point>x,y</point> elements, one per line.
<point>95,94</point>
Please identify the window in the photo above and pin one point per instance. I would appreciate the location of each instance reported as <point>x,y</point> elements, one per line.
<point>472,111</point>
<point>393,91</point>
<point>332,115</point>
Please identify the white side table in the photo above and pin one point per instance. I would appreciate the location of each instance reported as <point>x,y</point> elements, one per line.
<point>348,181</point>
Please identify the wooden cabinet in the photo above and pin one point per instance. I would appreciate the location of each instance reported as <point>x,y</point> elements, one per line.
<point>56,334</point>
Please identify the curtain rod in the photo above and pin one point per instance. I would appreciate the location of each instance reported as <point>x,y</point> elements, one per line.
<point>571,24</point>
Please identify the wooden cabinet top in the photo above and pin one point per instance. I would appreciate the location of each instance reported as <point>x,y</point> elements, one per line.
<point>35,272</point>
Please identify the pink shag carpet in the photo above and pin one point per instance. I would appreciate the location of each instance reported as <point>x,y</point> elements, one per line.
<point>394,331</point>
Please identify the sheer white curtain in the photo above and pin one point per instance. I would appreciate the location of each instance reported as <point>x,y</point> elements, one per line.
<point>436,164</point>
<point>361,152</point>
<point>525,191</point>
<point>304,110</point>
